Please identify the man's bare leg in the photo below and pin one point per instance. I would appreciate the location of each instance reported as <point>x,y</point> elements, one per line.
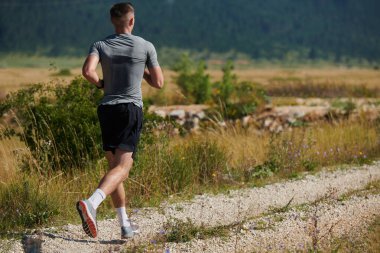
<point>118,195</point>
<point>122,161</point>
<point>111,184</point>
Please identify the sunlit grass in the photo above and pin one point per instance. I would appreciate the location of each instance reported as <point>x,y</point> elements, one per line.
<point>217,159</point>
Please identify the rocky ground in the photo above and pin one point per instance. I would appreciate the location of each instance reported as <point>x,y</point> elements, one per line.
<point>295,215</point>
<point>278,118</point>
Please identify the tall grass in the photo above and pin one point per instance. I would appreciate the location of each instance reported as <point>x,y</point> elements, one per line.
<point>164,169</point>
<point>58,161</point>
<point>186,165</point>
<point>307,149</point>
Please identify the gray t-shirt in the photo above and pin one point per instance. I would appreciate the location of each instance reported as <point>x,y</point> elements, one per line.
<point>123,58</point>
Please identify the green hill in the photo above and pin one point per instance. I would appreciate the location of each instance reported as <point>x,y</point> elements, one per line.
<point>271,29</point>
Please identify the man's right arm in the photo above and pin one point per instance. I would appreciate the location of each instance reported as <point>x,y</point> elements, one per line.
<point>154,77</point>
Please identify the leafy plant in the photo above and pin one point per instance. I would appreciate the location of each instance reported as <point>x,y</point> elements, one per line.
<point>194,83</point>
<point>236,99</point>
<point>58,124</point>
<point>224,89</point>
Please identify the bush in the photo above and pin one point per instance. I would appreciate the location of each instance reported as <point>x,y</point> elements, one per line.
<point>237,99</point>
<point>223,90</point>
<point>193,82</point>
<point>232,99</point>
<point>248,98</point>
<point>58,124</point>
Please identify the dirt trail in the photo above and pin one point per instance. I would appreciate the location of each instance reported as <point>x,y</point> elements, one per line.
<point>293,229</point>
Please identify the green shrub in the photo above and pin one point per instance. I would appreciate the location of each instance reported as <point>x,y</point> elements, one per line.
<point>347,106</point>
<point>194,83</point>
<point>236,99</point>
<point>59,124</point>
<point>247,99</point>
<point>223,90</point>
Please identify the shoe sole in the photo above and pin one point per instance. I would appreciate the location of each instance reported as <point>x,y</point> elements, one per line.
<point>88,223</point>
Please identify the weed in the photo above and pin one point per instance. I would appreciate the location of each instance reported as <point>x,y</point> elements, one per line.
<point>274,210</point>
<point>178,231</point>
<point>26,204</point>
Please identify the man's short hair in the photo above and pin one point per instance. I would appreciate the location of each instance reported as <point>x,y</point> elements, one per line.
<point>120,10</point>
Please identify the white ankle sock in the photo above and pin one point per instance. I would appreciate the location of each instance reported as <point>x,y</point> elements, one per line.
<point>97,197</point>
<point>123,217</point>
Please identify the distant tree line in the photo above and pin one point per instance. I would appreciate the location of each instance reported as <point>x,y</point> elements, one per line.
<point>271,29</point>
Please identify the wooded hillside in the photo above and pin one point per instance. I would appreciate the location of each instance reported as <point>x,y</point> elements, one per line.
<point>271,29</point>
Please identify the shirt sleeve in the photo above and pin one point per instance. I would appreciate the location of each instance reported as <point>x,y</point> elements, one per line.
<point>93,49</point>
<point>151,60</point>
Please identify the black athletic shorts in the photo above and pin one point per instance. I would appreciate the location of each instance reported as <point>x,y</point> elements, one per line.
<point>121,125</point>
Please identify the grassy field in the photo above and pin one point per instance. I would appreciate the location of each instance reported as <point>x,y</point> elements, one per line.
<point>218,159</point>
<point>14,78</point>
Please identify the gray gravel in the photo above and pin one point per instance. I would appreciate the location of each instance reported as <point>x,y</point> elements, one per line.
<point>297,232</point>
<point>226,209</point>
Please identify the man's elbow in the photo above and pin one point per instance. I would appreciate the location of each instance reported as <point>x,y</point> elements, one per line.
<point>86,72</point>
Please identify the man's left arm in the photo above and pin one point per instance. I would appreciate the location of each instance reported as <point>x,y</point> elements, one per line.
<point>89,70</point>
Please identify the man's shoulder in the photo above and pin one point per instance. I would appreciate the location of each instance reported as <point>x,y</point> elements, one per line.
<point>101,41</point>
<point>109,37</point>
<point>141,40</point>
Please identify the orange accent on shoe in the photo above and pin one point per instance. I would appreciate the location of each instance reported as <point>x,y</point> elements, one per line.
<point>88,221</point>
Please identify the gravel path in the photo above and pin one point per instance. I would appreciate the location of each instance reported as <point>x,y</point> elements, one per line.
<point>296,230</point>
<point>227,209</point>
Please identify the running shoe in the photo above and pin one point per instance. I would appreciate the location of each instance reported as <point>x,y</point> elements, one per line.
<point>88,215</point>
<point>128,232</point>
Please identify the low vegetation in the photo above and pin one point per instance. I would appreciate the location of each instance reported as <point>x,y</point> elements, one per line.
<point>50,144</point>
<point>229,98</point>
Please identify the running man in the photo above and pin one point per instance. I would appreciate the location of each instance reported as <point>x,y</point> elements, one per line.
<point>123,58</point>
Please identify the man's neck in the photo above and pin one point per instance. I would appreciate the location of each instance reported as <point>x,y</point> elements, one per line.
<point>123,30</point>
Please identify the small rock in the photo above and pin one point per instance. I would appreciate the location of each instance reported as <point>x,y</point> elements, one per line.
<point>160,113</point>
<point>177,114</point>
<point>200,115</point>
<point>268,122</point>
<point>246,120</point>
